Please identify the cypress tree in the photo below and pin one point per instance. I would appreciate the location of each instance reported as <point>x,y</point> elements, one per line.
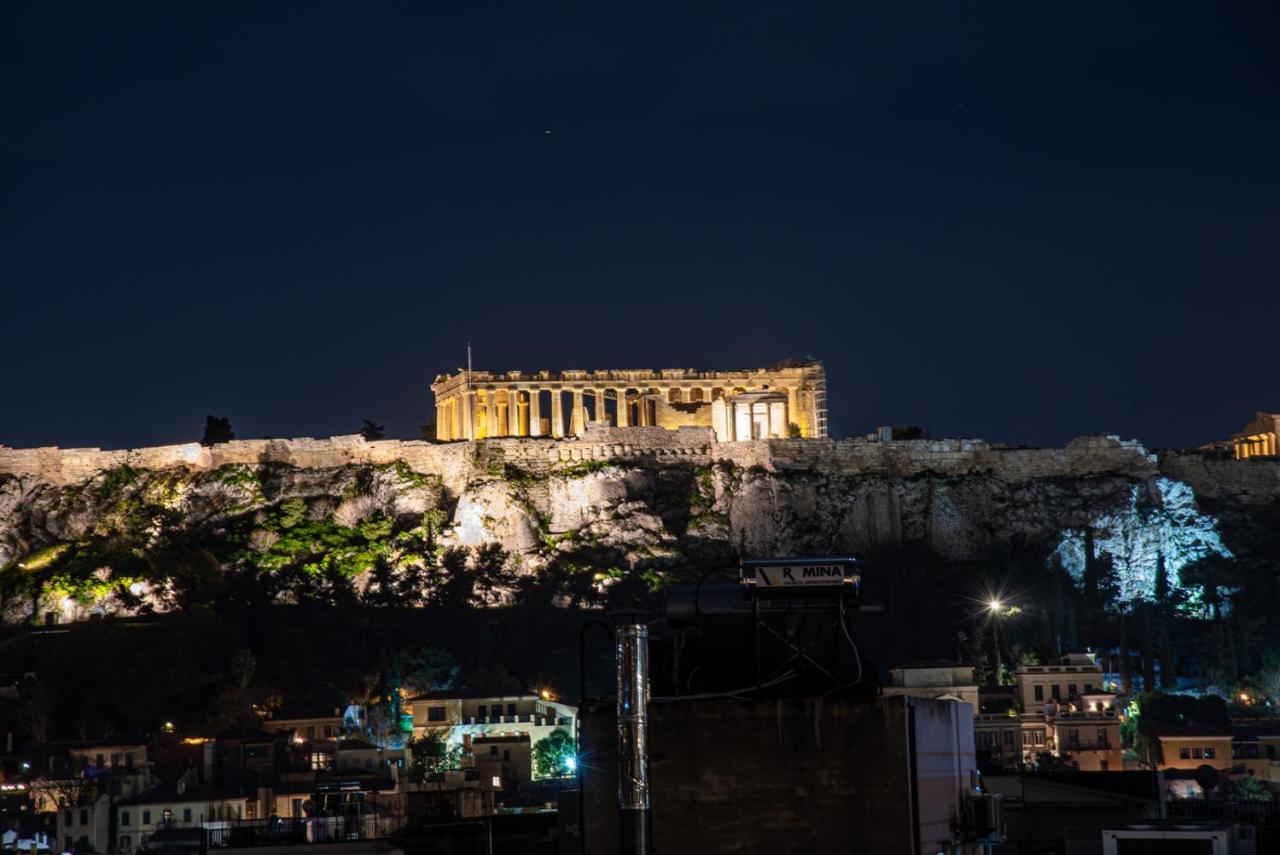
<point>1148,653</point>
<point>1168,671</point>
<point>1162,580</point>
<point>1126,678</point>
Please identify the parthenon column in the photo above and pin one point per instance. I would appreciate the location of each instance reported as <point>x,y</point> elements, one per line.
<point>513,412</point>
<point>491,412</point>
<point>535,412</point>
<point>557,412</point>
<point>621,407</point>
<point>576,415</point>
<point>469,422</point>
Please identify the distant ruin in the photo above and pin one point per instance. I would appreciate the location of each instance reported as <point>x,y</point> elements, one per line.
<point>787,400</point>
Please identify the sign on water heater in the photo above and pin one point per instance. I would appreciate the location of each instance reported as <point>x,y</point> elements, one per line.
<point>789,574</point>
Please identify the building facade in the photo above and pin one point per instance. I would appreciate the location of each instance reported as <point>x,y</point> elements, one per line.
<point>1061,710</point>
<point>1258,439</point>
<point>483,721</point>
<point>787,400</point>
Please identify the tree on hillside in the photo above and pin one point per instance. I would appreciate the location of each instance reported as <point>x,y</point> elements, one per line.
<point>431,752</point>
<point>373,431</point>
<point>217,429</point>
<point>553,755</point>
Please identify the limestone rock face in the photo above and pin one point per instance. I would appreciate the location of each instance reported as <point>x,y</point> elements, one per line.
<point>662,506</point>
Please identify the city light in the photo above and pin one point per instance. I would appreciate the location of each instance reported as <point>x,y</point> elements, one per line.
<point>571,763</point>
<point>994,605</point>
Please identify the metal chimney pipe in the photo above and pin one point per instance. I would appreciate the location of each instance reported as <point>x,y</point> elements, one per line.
<point>635,817</point>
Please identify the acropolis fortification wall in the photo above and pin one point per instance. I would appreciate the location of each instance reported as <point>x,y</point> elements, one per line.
<point>903,457</point>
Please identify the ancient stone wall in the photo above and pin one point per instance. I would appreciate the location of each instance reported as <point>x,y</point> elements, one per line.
<point>1250,480</point>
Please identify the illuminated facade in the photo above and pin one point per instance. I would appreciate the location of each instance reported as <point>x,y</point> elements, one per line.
<point>787,400</point>
<point>1258,439</point>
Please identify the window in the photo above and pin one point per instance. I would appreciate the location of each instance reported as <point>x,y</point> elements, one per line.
<point>506,756</point>
<point>1039,692</point>
<point>297,807</point>
<point>124,819</point>
<point>1102,736</point>
<point>328,730</point>
<point>1008,737</point>
<point>435,713</point>
<point>146,817</point>
<point>1197,753</point>
<point>1071,690</point>
<point>1184,753</point>
<point>124,841</point>
<point>1073,737</point>
<point>1056,692</point>
<point>496,781</point>
<point>1271,752</point>
<point>1209,754</point>
<point>186,814</point>
<point>84,816</point>
<point>496,711</point>
<point>66,820</point>
<point>1104,765</point>
<point>311,731</point>
<point>493,750</point>
<point>1088,688</point>
<point>511,709</point>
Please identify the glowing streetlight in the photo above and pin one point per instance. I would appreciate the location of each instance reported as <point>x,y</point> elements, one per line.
<point>571,763</point>
<point>995,605</point>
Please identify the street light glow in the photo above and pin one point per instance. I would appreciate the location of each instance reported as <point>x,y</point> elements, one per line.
<point>995,605</point>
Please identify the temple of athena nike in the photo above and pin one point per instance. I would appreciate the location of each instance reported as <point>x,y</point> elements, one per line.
<point>787,400</point>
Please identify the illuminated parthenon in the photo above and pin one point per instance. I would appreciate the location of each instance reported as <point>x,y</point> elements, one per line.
<point>787,400</point>
<point>1258,439</point>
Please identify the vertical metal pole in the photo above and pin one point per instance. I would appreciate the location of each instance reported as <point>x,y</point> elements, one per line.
<point>633,738</point>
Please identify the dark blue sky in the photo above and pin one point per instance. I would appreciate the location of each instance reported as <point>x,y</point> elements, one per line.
<point>1021,221</point>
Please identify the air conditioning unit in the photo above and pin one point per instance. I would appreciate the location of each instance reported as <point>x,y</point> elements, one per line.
<point>984,817</point>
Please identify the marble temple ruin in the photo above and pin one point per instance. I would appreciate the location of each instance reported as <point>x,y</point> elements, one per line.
<point>787,400</point>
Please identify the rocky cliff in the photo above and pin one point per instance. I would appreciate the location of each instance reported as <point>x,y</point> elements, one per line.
<point>84,530</point>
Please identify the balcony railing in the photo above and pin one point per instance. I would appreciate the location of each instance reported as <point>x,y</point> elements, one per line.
<point>286,831</point>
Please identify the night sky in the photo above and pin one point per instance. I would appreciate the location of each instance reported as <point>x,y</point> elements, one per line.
<point>1019,221</point>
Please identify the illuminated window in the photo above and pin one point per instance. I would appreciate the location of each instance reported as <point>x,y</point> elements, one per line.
<point>497,782</point>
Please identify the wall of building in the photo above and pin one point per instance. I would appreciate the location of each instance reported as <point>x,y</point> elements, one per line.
<point>797,775</point>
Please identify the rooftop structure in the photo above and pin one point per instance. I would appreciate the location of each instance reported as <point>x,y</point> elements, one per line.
<point>786,400</point>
